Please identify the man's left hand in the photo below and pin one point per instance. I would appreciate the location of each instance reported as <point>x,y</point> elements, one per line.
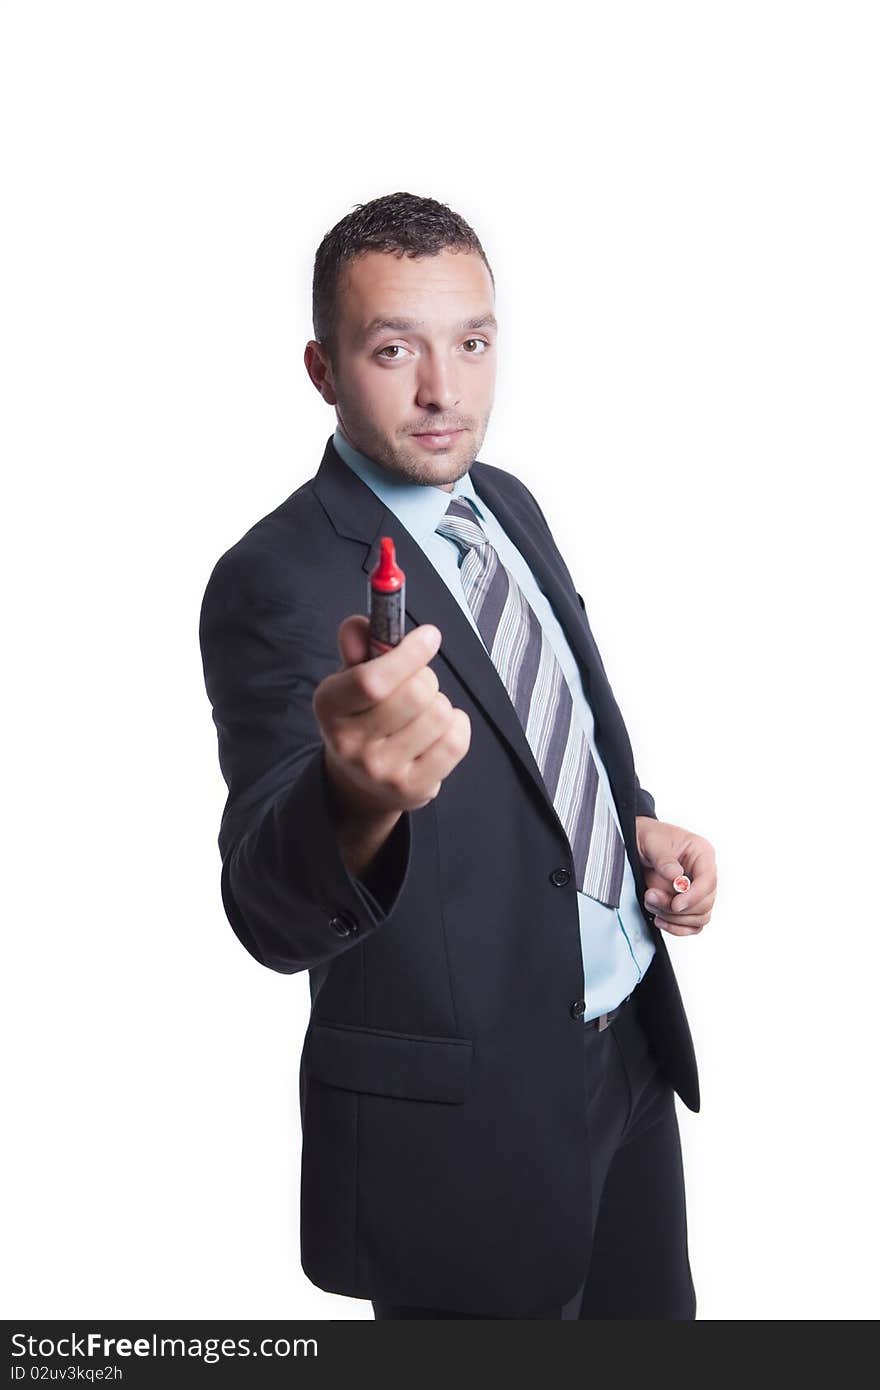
<point>667,851</point>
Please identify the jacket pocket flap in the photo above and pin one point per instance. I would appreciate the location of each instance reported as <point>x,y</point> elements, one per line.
<point>388,1064</point>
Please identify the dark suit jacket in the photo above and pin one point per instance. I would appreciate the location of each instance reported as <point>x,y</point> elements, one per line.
<point>444,1158</point>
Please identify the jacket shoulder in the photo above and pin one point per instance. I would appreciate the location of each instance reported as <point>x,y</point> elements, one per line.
<point>271,560</point>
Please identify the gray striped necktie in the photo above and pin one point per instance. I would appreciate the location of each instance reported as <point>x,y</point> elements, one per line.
<point>539,693</point>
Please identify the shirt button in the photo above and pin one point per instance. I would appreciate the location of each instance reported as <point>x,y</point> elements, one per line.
<point>560,877</point>
<point>344,924</point>
<point>578,1008</point>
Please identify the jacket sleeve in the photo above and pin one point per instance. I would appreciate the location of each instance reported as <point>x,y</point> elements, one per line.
<point>644,802</point>
<point>285,888</point>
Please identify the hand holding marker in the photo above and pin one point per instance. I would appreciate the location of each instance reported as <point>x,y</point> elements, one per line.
<point>390,734</point>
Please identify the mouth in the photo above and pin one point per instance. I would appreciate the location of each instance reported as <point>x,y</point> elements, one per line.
<point>434,439</point>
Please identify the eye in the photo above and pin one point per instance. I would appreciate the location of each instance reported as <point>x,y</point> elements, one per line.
<point>398,349</point>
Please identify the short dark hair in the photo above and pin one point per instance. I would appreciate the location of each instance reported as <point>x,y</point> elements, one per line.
<point>397,223</point>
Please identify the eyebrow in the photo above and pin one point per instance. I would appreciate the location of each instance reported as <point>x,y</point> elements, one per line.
<point>398,325</point>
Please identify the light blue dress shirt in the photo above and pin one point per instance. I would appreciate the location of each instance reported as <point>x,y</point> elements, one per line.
<point>615,943</point>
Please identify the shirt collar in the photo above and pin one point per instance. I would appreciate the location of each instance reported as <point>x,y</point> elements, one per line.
<point>419,506</point>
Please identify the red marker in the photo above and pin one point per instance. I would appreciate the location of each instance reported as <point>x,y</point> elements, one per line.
<point>386,590</point>
<point>681,884</point>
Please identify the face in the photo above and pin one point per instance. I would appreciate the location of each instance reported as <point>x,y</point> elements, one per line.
<point>414,394</point>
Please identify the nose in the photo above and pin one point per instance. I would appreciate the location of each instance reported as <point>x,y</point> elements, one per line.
<point>438,384</point>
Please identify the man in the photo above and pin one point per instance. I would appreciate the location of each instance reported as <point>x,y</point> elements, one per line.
<point>450,837</point>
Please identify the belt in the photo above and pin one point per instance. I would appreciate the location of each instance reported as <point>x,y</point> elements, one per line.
<point>602,1020</point>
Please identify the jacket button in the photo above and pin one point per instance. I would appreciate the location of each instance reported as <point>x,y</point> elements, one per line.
<point>560,877</point>
<point>343,924</point>
<point>578,1008</point>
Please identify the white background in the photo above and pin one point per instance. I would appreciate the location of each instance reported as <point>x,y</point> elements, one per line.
<point>680,206</point>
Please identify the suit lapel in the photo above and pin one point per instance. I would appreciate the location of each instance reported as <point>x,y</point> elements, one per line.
<point>358,514</point>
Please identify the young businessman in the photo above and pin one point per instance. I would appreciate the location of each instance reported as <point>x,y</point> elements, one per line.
<point>450,838</point>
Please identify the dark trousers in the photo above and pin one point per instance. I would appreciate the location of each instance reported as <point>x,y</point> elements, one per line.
<point>638,1266</point>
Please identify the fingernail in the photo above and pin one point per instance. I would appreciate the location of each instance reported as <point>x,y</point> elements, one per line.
<point>430,635</point>
<point>652,900</point>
